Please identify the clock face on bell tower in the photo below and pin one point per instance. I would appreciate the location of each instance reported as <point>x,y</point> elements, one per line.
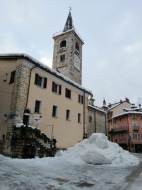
<point>77,62</point>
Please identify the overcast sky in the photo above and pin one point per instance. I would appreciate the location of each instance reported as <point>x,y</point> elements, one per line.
<point>111,29</point>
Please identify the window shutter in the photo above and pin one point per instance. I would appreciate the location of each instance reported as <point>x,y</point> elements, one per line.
<point>66,93</point>
<point>69,93</point>
<point>45,83</point>
<point>78,98</point>
<point>60,88</point>
<point>12,77</point>
<point>53,84</point>
<point>36,78</point>
<point>82,100</point>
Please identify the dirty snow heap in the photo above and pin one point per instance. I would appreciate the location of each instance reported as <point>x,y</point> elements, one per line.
<point>98,150</point>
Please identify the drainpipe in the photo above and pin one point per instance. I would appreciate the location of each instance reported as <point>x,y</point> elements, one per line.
<point>95,120</point>
<point>128,134</point>
<point>84,134</point>
<point>29,86</point>
<point>106,125</point>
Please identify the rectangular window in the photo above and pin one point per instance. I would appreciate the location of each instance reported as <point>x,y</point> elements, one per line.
<point>12,77</point>
<point>67,93</point>
<point>140,116</point>
<point>67,114</point>
<point>135,127</point>
<point>114,121</point>
<point>54,111</point>
<point>79,117</point>
<point>136,136</point>
<point>121,136</point>
<point>121,126</point>
<point>56,88</point>
<point>62,58</point>
<point>80,99</point>
<point>133,116</point>
<point>37,106</point>
<point>40,81</point>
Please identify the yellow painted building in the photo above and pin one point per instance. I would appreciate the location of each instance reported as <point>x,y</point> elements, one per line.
<point>31,92</point>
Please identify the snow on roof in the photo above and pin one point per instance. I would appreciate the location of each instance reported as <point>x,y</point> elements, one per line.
<point>62,32</point>
<point>132,109</point>
<point>19,125</point>
<point>114,106</point>
<point>125,113</point>
<point>46,68</point>
<point>99,109</point>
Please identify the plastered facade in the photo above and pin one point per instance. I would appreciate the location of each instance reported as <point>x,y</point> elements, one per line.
<point>23,95</point>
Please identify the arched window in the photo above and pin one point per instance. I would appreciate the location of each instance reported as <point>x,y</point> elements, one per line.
<point>90,119</point>
<point>63,44</point>
<point>77,46</point>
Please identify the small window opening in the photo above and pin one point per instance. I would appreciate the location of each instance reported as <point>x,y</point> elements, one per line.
<point>62,58</point>
<point>63,44</point>
<point>77,46</point>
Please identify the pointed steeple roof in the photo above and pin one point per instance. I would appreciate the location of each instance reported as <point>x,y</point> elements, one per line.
<point>69,23</point>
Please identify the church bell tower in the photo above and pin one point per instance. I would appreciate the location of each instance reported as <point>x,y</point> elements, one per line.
<point>67,55</point>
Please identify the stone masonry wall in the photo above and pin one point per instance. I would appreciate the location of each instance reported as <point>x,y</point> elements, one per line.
<point>100,122</point>
<point>18,103</point>
<point>19,95</point>
<point>97,123</point>
<point>91,128</point>
<point>66,67</point>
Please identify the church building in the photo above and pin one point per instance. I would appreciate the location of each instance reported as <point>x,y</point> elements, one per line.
<point>40,98</point>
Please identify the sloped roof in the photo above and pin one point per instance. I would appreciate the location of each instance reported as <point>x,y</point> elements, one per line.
<point>99,109</point>
<point>128,112</point>
<point>69,23</point>
<point>45,68</point>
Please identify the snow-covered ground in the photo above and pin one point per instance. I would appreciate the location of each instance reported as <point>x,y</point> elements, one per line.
<point>99,150</point>
<point>73,169</point>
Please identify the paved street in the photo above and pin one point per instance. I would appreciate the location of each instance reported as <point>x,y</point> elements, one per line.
<point>35,174</point>
<point>134,180</point>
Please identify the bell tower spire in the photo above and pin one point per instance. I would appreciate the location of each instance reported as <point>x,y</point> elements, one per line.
<point>69,22</point>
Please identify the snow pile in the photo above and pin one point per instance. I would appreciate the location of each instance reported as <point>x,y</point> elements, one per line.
<point>98,150</point>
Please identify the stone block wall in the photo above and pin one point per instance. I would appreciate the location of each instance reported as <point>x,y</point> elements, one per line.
<point>66,67</point>
<point>100,122</point>
<point>91,125</point>
<point>96,122</point>
<point>19,94</point>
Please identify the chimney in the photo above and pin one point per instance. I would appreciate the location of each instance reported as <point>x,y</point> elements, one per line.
<point>91,101</point>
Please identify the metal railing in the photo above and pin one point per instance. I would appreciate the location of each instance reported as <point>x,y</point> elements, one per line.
<point>135,128</point>
<point>119,129</point>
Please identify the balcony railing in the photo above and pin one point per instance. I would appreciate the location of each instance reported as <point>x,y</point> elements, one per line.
<point>135,128</point>
<point>119,130</point>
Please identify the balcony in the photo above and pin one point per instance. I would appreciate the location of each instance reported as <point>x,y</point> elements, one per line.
<point>135,128</point>
<point>119,130</point>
